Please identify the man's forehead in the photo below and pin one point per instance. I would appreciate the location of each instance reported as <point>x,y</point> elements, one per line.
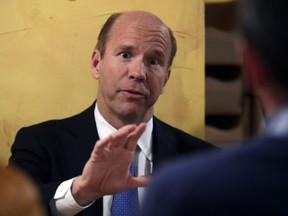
<point>131,28</point>
<point>148,42</point>
<point>144,19</point>
<point>149,48</point>
<point>140,29</point>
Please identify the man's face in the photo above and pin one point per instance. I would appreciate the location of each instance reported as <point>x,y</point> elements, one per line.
<point>134,69</point>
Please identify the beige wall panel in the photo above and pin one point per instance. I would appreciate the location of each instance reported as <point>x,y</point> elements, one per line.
<point>45,50</point>
<point>218,1</point>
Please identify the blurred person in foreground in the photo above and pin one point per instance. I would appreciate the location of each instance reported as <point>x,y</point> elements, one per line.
<point>251,179</point>
<point>132,63</point>
<point>18,194</point>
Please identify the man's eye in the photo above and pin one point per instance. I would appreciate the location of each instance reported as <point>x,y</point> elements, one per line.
<point>125,55</point>
<point>154,62</point>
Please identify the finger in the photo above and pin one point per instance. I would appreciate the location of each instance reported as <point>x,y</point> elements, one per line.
<point>134,136</point>
<point>135,182</point>
<point>118,138</point>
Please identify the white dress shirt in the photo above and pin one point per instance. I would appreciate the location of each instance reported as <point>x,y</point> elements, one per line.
<point>63,203</point>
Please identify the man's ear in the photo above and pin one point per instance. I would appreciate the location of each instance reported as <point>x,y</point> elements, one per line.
<point>254,68</point>
<point>95,64</point>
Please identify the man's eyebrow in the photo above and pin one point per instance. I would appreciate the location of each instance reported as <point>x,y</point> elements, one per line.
<point>126,47</point>
<point>155,52</point>
<point>158,53</point>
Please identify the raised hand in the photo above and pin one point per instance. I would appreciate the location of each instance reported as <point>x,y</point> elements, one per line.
<point>107,170</point>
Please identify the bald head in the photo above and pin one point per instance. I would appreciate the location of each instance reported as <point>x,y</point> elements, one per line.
<point>137,18</point>
<point>141,17</point>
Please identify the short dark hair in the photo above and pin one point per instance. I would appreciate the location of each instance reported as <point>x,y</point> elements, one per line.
<point>104,34</point>
<point>263,24</point>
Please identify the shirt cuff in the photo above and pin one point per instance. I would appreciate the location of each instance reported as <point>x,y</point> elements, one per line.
<point>63,202</point>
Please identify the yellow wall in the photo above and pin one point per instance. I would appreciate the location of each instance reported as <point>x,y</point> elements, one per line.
<point>217,1</point>
<point>45,49</point>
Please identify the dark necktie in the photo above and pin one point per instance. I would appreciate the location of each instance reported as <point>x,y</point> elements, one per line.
<point>125,203</point>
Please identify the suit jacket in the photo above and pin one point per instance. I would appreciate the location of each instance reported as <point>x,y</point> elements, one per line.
<point>249,180</point>
<point>57,150</point>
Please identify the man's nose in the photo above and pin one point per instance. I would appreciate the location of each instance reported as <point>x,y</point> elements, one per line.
<point>138,70</point>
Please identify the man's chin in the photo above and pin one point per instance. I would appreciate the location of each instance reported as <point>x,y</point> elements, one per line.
<point>132,113</point>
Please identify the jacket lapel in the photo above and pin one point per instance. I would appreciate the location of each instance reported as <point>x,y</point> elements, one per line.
<point>163,147</point>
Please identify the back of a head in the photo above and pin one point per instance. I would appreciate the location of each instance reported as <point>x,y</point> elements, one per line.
<point>263,24</point>
<point>18,196</point>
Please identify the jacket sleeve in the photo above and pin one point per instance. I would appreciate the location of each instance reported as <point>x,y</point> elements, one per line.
<point>29,155</point>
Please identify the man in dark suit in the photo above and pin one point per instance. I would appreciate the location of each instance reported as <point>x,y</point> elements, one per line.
<point>132,63</point>
<point>250,179</point>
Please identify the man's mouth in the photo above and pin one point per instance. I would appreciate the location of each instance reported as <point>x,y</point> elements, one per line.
<point>134,93</point>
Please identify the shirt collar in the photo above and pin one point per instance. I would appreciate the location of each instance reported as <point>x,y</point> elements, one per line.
<point>105,129</point>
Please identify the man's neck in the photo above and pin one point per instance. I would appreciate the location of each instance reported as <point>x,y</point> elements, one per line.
<point>118,121</point>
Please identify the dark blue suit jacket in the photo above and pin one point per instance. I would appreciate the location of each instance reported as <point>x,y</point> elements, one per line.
<point>249,180</point>
<point>57,150</point>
